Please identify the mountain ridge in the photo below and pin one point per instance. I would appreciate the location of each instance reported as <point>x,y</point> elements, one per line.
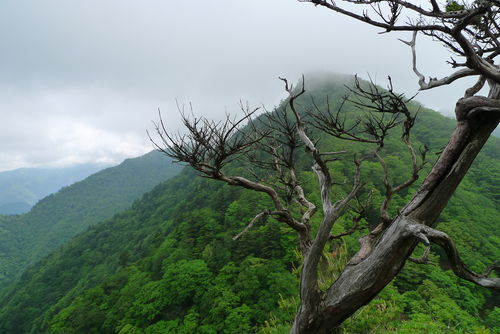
<point>169,263</point>
<point>22,188</point>
<point>59,216</point>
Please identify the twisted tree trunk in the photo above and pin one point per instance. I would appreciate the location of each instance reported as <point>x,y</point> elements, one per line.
<point>362,280</point>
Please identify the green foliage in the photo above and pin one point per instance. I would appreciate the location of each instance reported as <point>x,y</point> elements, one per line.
<point>169,264</point>
<point>58,217</point>
<point>452,6</point>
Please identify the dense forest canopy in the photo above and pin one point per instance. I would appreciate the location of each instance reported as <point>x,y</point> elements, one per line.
<point>348,208</point>
<point>22,188</point>
<point>25,239</point>
<point>169,264</point>
<point>470,31</point>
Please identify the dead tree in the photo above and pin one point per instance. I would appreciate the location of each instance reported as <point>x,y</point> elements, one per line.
<point>471,32</point>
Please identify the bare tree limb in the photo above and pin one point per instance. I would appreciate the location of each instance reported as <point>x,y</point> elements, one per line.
<point>360,211</point>
<point>311,208</point>
<point>424,259</point>
<point>259,216</point>
<point>476,87</point>
<point>434,82</point>
<point>428,234</point>
<point>387,26</point>
<point>491,268</point>
<point>320,167</point>
<point>472,33</point>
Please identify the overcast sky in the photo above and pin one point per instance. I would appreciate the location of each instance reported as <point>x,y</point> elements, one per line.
<point>81,80</point>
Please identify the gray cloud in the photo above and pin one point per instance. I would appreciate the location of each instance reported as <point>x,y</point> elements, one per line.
<point>81,80</point>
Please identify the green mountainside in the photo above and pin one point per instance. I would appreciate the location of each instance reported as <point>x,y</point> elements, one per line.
<point>58,217</point>
<point>169,264</point>
<point>20,189</point>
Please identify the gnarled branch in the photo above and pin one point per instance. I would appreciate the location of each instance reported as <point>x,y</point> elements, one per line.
<point>428,234</point>
<point>424,259</point>
<point>434,82</point>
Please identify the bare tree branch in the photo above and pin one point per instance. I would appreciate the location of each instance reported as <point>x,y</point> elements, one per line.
<point>391,26</point>
<point>259,216</point>
<point>319,167</point>
<point>361,211</point>
<point>434,82</point>
<point>271,142</point>
<point>471,33</point>
<point>476,87</point>
<point>424,259</point>
<point>427,234</point>
<point>311,208</point>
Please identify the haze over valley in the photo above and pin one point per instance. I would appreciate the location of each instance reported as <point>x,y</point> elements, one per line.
<point>241,167</point>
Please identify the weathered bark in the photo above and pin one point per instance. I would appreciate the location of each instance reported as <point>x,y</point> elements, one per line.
<point>360,283</point>
<point>209,146</point>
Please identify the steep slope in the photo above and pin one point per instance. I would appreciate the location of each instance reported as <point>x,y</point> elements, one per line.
<point>169,264</point>
<point>58,217</point>
<point>20,189</point>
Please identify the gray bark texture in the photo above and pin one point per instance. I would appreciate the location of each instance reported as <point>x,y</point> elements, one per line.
<point>359,283</point>
<point>384,251</point>
<point>472,34</point>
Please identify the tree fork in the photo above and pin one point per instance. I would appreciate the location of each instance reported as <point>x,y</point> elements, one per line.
<point>359,284</point>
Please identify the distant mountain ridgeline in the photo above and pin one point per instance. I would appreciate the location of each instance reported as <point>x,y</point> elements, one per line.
<point>169,264</point>
<point>58,217</point>
<point>20,189</point>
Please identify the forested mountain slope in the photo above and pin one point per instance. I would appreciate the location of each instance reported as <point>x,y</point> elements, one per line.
<point>27,238</point>
<point>20,189</point>
<point>169,263</point>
